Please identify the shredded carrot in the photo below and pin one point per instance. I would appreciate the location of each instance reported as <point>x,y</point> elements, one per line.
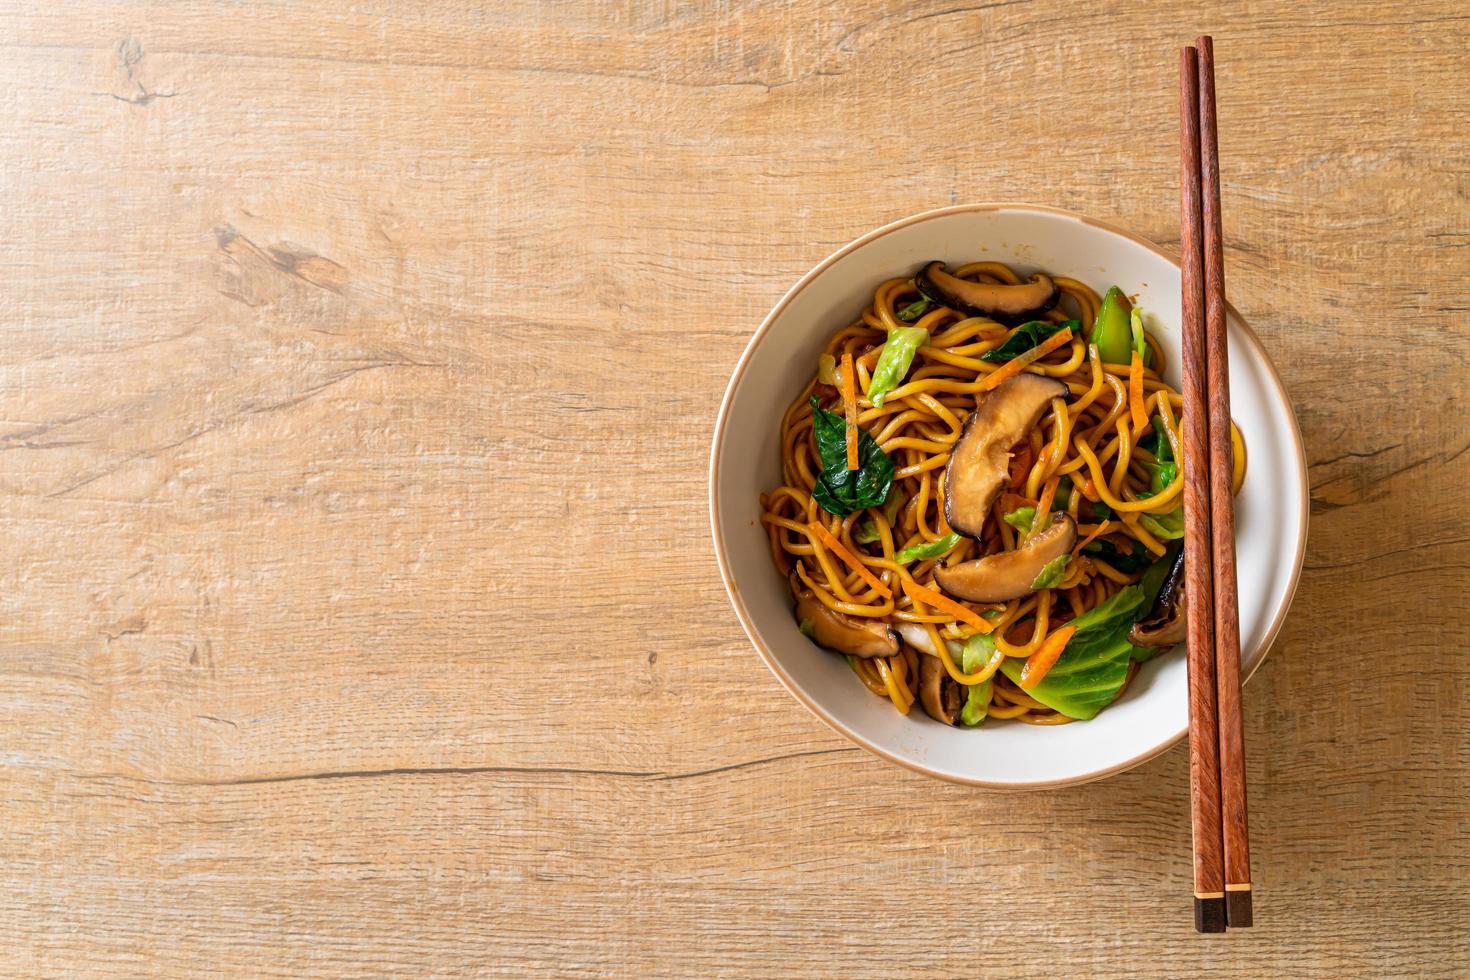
<point>1102,528</point>
<point>849,408</point>
<point>848,558</point>
<point>1040,663</point>
<point>1043,506</point>
<point>1019,363</point>
<point>919,593</point>
<point>1135,392</point>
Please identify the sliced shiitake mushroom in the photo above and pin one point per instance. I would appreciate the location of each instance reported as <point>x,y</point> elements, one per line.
<point>853,635</point>
<point>999,302</point>
<point>1165,624</point>
<point>1008,575</point>
<point>941,697</point>
<point>980,461</point>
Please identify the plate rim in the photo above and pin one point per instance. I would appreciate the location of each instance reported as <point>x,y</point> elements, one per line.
<point>733,593</point>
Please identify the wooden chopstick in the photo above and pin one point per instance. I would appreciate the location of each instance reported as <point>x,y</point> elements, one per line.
<point>1204,745</point>
<point>1237,856</point>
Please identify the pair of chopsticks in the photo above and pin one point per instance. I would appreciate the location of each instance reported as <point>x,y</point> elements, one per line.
<point>1222,881</point>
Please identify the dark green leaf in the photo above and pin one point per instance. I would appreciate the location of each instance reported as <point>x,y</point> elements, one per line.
<point>840,491</point>
<point>1137,559</point>
<point>1025,337</point>
<point>1157,442</point>
<point>1160,475</point>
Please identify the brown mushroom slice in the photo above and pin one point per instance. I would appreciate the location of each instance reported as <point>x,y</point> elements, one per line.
<point>980,461</point>
<point>1008,575</point>
<point>1166,623</point>
<point>941,697</point>
<point>846,634</point>
<point>999,302</point>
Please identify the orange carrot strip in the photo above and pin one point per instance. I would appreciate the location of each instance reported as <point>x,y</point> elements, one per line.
<point>849,559</point>
<point>1102,528</point>
<point>1020,362</point>
<point>920,593</point>
<point>1135,392</point>
<point>849,408</point>
<point>1043,506</point>
<point>1040,663</point>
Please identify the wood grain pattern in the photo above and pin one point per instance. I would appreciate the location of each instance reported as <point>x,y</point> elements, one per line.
<point>1230,726</point>
<point>357,371</point>
<point>1199,596</point>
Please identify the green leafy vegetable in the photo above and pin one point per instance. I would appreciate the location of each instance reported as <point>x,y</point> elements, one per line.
<point>893,363</point>
<point>840,491</point>
<point>977,653</point>
<point>1111,331</point>
<point>1165,470</point>
<point>1153,579</point>
<point>977,705</point>
<point>1137,559</point>
<point>1025,337</point>
<point>1135,322</point>
<point>806,628</point>
<point>867,532</point>
<point>1151,582</point>
<point>927,549</point>
<point>1094,665</point>
<point>1100,510</point>
<point>1051,573</point>
<point>1021,518</point>
<point>1063,498</point>
<point>1160,475</point>
<point>1157,442</point>
<point>1167,527</point>
<point>914,310</point>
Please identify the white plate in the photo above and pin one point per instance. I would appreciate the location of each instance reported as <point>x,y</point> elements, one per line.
<point>1271,513</point>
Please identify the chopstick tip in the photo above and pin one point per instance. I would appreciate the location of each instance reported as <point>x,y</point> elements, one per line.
<point>1238,914</point>
<point>1209,914</point>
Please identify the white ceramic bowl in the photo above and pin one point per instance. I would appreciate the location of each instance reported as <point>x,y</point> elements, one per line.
<point>1271,512</point>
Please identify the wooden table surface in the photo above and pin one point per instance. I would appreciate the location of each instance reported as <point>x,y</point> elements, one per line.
<point>357,608</point>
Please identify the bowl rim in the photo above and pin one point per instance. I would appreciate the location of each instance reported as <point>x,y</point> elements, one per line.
<point>743,615</point>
